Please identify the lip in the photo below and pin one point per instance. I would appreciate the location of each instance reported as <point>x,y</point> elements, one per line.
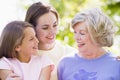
<point>51,37</point>
<point>35,47</point>
<point>79,46</point>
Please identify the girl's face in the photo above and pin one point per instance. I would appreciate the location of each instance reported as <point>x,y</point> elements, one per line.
<point>47,28</point>
<point>83,38</point>
<point>29,44</point>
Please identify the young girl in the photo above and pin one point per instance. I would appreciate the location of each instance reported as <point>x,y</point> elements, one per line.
<point>18,43</point>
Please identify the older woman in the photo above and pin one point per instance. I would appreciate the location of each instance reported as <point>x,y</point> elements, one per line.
<point>93,30</point>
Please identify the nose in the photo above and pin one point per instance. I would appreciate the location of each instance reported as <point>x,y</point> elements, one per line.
<point>77,36</point>
<point>52,30</point>
<point>36,40</point>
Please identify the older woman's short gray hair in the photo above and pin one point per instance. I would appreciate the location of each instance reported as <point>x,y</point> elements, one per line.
<point>99,25</point>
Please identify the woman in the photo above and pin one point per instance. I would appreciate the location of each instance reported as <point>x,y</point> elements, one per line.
<point>45,20</point>
<point>93,30</point>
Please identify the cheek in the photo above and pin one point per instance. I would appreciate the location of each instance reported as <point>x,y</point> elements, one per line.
<point>86,39</point>
<point>90,41</point>
<point>75,37</point>
<point>39,35</point>
<point>55,29</point>
<point>40,32</point>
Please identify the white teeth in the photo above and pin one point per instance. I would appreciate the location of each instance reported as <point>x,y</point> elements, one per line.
<point>51,37</point>
<point>80,44</point>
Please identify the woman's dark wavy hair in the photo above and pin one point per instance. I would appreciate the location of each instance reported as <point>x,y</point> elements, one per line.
<point>36,10</point>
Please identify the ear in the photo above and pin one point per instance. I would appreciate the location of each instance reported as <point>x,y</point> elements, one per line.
<point>17,48</point>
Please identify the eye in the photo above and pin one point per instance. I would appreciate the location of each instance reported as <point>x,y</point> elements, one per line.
<point>31,39</point>
<point>82,33</point>
<point>45,28</point>
<point>55,25</point>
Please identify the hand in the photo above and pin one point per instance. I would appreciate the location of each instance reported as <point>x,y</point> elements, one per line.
<point>13,76</point>
<point>118,58</point>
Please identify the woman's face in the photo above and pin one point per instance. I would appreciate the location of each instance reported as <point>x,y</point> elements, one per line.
<point>83,38</point>
<point>47,28</point>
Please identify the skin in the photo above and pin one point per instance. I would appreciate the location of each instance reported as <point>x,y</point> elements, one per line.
<point>25,50</point>
<point>29,45</point>
<point>88,48</point>
<point>44,73</point>
<point>46,30</point>
<point>8,75</point>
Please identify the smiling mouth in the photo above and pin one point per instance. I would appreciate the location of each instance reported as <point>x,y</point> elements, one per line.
<point>35,47</point>
<point>80,45</point>
<point>51,37</point>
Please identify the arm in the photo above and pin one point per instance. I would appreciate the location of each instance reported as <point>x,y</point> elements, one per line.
<point>4,73</point>
<point>118,57</point>
<point>8,75</point>
<point>45,73</point>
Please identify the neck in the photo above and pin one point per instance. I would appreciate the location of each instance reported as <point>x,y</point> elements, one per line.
<point>24,59</point>
<point>46,46</point>
<point>93,54</point>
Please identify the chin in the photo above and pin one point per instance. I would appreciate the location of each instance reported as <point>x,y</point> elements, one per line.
<point>81,50</point>
<point>51,41</point>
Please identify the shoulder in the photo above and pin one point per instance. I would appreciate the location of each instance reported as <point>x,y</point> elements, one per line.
<point>62,45</point>
<point>112,58</point>
<point>111,55</point>
<point>5,63</point>
<point>5,60</point>
<point>68,59</point>
<point>40,58</point>
<point>67,62</point>
<point>65,47</point>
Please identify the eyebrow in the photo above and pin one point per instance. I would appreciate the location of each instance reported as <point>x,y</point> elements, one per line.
<point>55,22</point>
<point>45,25</point>
<point>48,24</point>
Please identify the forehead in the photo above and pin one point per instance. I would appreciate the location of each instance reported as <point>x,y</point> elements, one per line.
<point>29,31</point>
<point>80,26</point>
<point>47,18</point>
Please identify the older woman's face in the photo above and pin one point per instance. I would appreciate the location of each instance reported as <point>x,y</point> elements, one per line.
<point>83,38</point>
